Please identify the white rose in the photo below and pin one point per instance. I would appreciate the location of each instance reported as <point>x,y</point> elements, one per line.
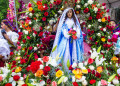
<point>99,20</point>
<point>41,66</point>
<point>30,22</point>
<point>42,83</point>
<point>86,4</point>
<point>74,65</point>
<point>89,26</point>
<point>80,65</point>
<point>78,6</point>
<point>65,79</point>
<point>35,48</point>
<point>52,1</point>
<point>91,67</point>
<point>51,22</point>
<point>60,12</point>
<point>34,34</point>
<point>95,9</point>
<point>99,34</point>
<point>84,83</point>
<point>100,27</point>
<point>85,63</point>
<point>30,14</point>
<point>115,81</point>
<point>26,32</point>
<point>104,29</point>
<point>90,2</point>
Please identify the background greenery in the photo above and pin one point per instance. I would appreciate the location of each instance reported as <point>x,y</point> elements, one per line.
<point>4,4</point>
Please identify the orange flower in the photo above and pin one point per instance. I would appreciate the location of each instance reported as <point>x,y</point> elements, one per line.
<point>39,73</point>
<point>99,69</point>
<point>40,7</point>
<point>29,29</point>
<point>114,58</point>
<point>93,6</point>
<point>101,14</point>
<point>77,12</point>
<point>39,3</point>
<point>78,73</point>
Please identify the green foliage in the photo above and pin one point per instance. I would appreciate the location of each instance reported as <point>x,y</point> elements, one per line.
<point>4,4</point>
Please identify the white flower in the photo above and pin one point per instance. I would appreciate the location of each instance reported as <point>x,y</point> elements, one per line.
<point>118,71</point>
<point>95,9</point>
<point>30,22</point>
<point>85,63</point>
<point>98,5</point>
<point>55,15</point>
<point>94,54</point>
<point>99,20</point>
<point>73,78</point>
<point>27,13</point>
<point>99,61</point>
<point>102,7</point>
<point>86,4</point>
<point>30,14</point>
<point>99,34</point>
<point>78,1</point>
<point>48,27</point>
<point>65,79</point>
<point>60,12</point>
<point>25,31</point>
<point>80,65</point>
<point>89,26</point>
<point>106,15</point>
<point>34,34</point>
<point>52,62</point>
<point>52,1</point>
<point>108,37</point>
<point>38,51</point>
<point>81,21</point>
<point>78,6</point>
<point>100,27</point>
<point>51,21</point>
<point>35,48</point>
<point>74,65</point>
<point>41,66</point>
<point>37,15</point>
<point>115,81</point>
<point>20,83</point>
<point>90,2</point>
<point>91,67</point>
<point>84,83</point>
<point>104,29</point>
<point>42,83</point>
<point>20,26</point>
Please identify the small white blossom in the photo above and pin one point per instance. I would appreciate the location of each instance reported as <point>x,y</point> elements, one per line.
<point>30,14</point>
<point>65,79</point>
<point>35,48</point>
<point>30,22</point>
<point>100,27</point>
<point>99,20</point>
<point>115,81</point>
<point>48,27</point>
<point>98,5</point>
<point>86,4</point>
<point>78,1</point>
<point>91,67</point>
<point>84,83</point>
<point>74,65</point>
<point>99,34</point>
<point>78,6</point>
<point>80,65</point>
<point>34,34</point>
<point>102,7</point>
<point>41,66</point>
<point>89,26</point>
<point>104,29</point>
<point>95,9</point>
<point>90,2</point>
<point>60,12</point>
<point>51,21</point>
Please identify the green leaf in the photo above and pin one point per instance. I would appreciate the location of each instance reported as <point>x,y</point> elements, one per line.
<point>29,84</point>
<point>68,63</point>
<point>26,81</point>
<point>98,50</point>
<point>111,77</point>
<point>61,79</point>
<point>54,48</point>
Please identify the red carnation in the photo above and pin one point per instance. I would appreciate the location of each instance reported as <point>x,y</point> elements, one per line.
<point>44,19</point>
<point>20,33</point>
<point>22,61</point>
<point>90,61</point>
<point>96,43</point>
<point>24,85</point>
<point>90,18</point>
<point>11,53</point>
<point>75,84</point>
<point>47,68</point>
<point>92,81</point>
<point>18,43</point>
<point>45,59</point>
<point>107,10</point>
<point>30,48</point>
<point>20,37</point>
<point>8,84</point>
<point>86,10</point>
<point>35,32</point>
<point>28,37</point>
<point>16,77</point>
<point>46,13</point>
<point>93,72</point>
<point>99,9</point>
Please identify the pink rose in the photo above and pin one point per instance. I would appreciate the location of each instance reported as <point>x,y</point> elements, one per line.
<point>18,47</point>
<point>103,82</point>
<point>54,83</point>
<point>1,78</point>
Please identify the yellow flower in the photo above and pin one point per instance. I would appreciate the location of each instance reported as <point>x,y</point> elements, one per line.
<point>39,73</point>
<point>59,73</point>
<point>99,69</point>
<point>77,12</point>
<point>114,58</point>
<point>26,24</point>
<point>103,39</point>
<point>17,58</point>
<point>30,9</point>
<point>103,20</point>
<point>18,69</point>
<point>85,71</point>
<point>61,9</point>
<point>78,73</point>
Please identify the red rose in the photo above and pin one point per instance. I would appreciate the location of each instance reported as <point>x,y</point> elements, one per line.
<point>99,9</point>
<point>13,62</point>
<point>20,33</point>
<point>45,73</point>
<point>23,40</point>
<point>92,31</point>
<point>57,69</point>
<point>75,84</point>
<point>58,2</point>
<point>93,72</point>
<point>40,34</point>
<point>47,68</point>
<point>28,37</point>
<point>28,69</point>
<point>35,32</point>
<point>45,59</point>
<point>92,81</point>
<point>103,4</point>
<point>90,38</point>
<point>22,61</point>
<point>18,43</point>
<point>35,55</point>
<point>29,5</point>
<point>30,48</point>
<point>90,18</point>
<point>8,84</point>
<point>48,81</point>
<point>11,53</point>
<point>70,68</point>
<point>46,13</point>
<point>98,75</point>
<point>24,85</point>
<point>20,37</point>
<point>88,30</point>
<point>96,43</point>
<point>98,15</point>
<point>35,66</point>
<point>89,70</point>
<point>90,61</point>
<point>16,77</point>
<point>107,10</point>
<point>44,19</point>
<point>86,10</point>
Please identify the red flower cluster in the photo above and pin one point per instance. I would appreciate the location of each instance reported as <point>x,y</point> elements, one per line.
<point>75,84</point>
<point>46,13</point>
<point>16,77</point>
<point>24,85</point>
<point>86,10</point>
<point>8,84</point>
<point>35,66</point>
<point>92,81</point>
<point>90,61</point>
<point>22,61</point>
<point>47,68</point>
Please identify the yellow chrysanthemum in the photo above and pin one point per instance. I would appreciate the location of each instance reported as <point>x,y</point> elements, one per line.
<point>59,73</point>
<point>30,9</point>
<point>39,73</point>
<point>103,20</point>
<point>18,69</point>
<point>99,69</point>
<point>85,71</point>
<point>114,58</point>
<point>103,39</point>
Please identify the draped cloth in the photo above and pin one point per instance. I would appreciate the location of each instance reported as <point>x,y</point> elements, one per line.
<point>67,50</point>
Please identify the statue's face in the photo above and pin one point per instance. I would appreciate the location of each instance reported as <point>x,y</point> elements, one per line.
<point>69,13</point>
